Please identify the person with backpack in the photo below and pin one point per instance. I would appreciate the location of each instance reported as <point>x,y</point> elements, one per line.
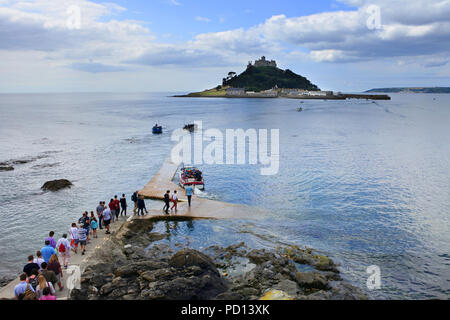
<point>33,278</point>
<point>49,275</point>
<point>123,205</point>
<point>166,202</point>
<point>23,287</point>
<point>63,246</point>
<point>42,285</point>
<point>134,198</point>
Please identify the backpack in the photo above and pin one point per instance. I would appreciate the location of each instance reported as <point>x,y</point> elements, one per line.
<point>29,294</point>
<point>62,247</point>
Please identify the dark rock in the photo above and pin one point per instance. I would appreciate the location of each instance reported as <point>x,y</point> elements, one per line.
<point>188,257</point>
<point>311,280</point>
<point>6,168</point>
<point>56,185</point>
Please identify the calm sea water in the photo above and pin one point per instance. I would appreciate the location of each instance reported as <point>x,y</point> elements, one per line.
<point>365,183</point>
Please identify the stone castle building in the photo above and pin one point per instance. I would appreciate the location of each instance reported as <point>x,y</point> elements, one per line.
<point>263,63</point>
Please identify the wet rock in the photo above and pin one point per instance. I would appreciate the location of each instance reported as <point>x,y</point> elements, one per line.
<point>6,168</point>
<point>276,295</point>
<point>56,185</point>
<point>311,280</point>
<point>288,286</point>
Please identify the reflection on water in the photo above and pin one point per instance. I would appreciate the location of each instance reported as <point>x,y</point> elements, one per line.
<point>366,183</point>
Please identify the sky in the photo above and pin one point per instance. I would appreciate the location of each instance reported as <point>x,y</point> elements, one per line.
<point>190,45</point>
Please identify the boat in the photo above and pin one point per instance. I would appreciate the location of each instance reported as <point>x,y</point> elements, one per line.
<point>191,176</point>
<point>299,109</point>
<point>190,127</point>
<point>157,129</point>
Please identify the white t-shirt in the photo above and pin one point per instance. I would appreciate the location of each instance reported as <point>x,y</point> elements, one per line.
<point>38,261</point>
<point>174,196</point>
<point>73,233</point>
<point>65,242</point>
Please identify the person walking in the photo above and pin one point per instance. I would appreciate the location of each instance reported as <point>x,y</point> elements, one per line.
<point>30,266</point>
<point>49,275</point>
<point>64,247</point>
<point>107,219</point>
<point>112,207</point>
<point>174,200</point>
<point>38,259</point>
<point>123,205</point>
<point>99,210</point>
<point>51,239</point>
<point>33,278</point>
<point>141,205</point>
<point>94,226</point>
<point>55,266</point>
<point>189,192</point>
<point>42,284</point>
<point>47,251</point>
<point>117,206</point>
<point>82,238</point>
<point>134,198</point>
<point>22,286</point>
<point>167,202</point>
<point>84,220</point>
<point>73,231</point>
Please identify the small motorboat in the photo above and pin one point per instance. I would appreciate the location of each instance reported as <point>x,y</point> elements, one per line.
<point>190,127</point>
<point>157,129</point>
<point>299,109</point>
<point>191,176</point>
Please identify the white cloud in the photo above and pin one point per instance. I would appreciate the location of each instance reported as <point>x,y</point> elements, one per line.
<point>203,19</point>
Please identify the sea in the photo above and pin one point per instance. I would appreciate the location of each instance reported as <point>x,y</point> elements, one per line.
<point>366,183</point>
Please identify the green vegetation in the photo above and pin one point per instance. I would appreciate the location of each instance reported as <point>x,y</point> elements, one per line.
<point>264,78</point>
<point>414,90</point>
<point>215,92</point>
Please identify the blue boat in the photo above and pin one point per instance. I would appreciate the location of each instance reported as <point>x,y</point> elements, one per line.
<point>157,129</point>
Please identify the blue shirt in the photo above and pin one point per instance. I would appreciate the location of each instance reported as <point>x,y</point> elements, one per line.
<point>47,252</point>
<point>21,287</point>
<point>189,191</point>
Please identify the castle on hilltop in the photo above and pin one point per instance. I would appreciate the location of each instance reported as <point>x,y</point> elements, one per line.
<point>262,63</point>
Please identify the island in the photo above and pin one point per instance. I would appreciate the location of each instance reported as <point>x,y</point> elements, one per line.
<point>412,90</point>
<point>263,79</point>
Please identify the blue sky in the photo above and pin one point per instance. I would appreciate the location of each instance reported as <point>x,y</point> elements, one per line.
<point>187,45</point>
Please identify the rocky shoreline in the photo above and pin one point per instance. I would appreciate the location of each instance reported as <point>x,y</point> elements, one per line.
<point>135,265</point>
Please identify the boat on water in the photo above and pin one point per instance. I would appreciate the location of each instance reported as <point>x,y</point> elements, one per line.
<point>191,176</point>
<point>190,127</point>
<point>157,129</point>
<point>299,109</point>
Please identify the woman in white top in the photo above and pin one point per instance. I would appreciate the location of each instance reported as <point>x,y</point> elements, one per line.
<point>42,283</point>
<point>175,200</point>
<point>73,231</point>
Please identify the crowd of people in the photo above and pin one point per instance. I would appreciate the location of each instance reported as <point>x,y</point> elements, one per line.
<point>45,271</point>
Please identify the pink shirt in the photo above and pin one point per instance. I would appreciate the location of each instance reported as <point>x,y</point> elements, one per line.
<point>47,297</point>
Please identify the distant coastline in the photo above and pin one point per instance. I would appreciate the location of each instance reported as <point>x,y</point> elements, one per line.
<point>411,90</point>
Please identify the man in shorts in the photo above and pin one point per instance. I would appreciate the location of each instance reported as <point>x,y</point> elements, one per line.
<point>82,238</point>
<point>107,219</point>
